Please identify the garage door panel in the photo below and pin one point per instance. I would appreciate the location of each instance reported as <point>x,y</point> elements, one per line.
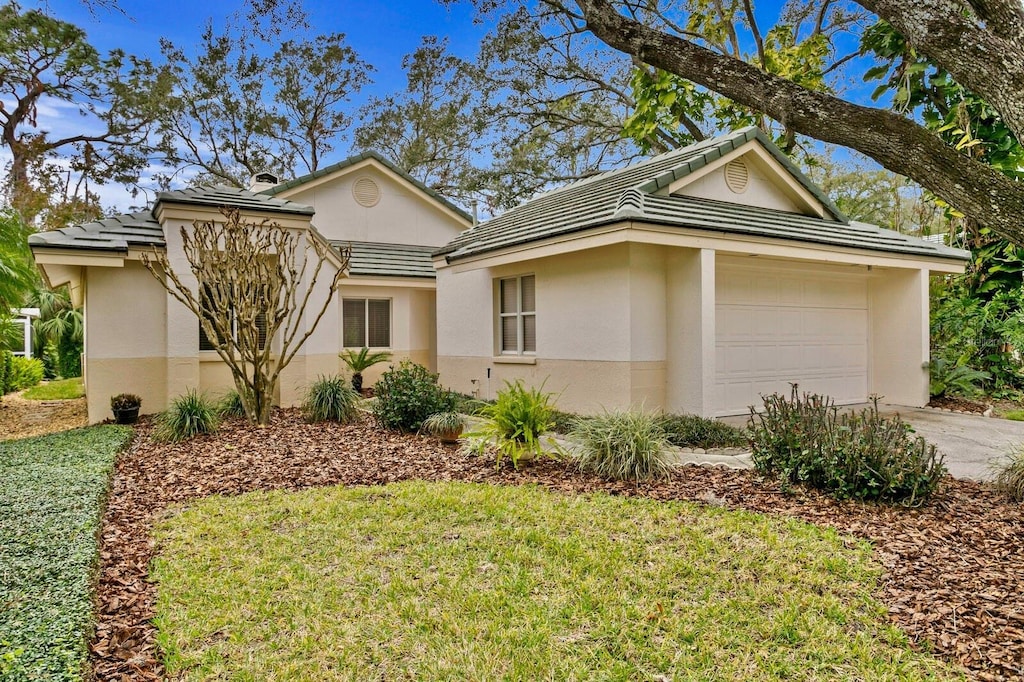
<point>776,327</point>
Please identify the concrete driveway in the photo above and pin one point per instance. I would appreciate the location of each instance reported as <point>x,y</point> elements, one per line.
<point>971,443</point>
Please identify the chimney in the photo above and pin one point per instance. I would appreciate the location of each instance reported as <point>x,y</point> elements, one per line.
<point>262,181</point>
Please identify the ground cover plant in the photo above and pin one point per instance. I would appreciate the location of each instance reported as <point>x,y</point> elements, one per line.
<point>52,490</point>
<point>453,580</point>
<point>805,438</point>
<point>63,389</point>
<point>954,572</point>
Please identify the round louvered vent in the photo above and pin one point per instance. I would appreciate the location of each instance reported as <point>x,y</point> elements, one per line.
<point>737,176</point>
<point>366,192</point>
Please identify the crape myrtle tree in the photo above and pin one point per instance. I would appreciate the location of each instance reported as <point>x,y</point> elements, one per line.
<point>257,298</point>
<point>979,43</point>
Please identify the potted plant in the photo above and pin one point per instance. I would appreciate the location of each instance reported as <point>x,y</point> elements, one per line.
<point>445,426</point>
<point>126,408</point>
<point>361,360</point>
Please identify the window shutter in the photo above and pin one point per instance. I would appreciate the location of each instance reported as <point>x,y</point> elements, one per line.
<point>509,296</point>
<point>509,335</point>
<point>380,323</point>
<point>353,323</point>
<point>529,294</point>
<point>261,328</point>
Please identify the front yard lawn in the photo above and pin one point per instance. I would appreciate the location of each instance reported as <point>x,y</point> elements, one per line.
<point>52,491</point>
<point>437,581</point>
<point>64,389</point>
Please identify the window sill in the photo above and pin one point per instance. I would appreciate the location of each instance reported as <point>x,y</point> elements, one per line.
<point>514,359</point>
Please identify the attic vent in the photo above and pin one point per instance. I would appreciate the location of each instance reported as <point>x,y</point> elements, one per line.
<point>366,192</point>
<point>737,176</point>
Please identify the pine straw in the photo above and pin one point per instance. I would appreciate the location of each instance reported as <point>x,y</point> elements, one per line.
<point>954,570</point>
<point>21,418</point>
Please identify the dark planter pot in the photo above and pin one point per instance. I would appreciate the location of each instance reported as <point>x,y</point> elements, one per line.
<point>129,415</point>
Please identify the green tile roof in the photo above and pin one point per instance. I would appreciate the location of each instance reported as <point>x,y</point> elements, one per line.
<point>628,194</point>
<point>370,259</point>
<point>222,195</point>
<point>110,234</point>
<point>351,161</point>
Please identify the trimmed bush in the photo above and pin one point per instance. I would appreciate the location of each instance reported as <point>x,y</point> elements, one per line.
<point>862,455</point>
<point>330,398</point>
<point>24,373</point>
<point>1010,476</point>
<point>408,394</point>
<point>691,431</point>
<point>624,446</point>
<point>189,415</point>
<point>514,423</point>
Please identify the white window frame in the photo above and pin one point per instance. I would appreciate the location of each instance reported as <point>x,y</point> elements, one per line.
<point>519,314</point>
<point>366,320</point>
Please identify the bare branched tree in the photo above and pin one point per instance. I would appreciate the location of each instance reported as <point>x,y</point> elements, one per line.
<point>255,283</point>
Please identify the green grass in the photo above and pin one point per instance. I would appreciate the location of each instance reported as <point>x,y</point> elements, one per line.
<point>1014,415</point>
<point>65,389</point>
<point>441,581</point>
<point>52,491</point>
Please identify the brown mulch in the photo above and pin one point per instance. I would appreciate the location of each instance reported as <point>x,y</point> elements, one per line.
<point>949,402</point>
<point>21,418</point>
<point>954,570</point>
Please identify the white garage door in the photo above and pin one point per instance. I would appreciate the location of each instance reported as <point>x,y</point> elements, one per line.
<point>776,324</point>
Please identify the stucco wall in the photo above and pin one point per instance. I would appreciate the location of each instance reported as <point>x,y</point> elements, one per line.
<point>899,341</point>
<point>402,216</point>
<point>125,338</point>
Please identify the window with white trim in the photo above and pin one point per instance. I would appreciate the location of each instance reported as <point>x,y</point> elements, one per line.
<point>366,322</point>
<point>205,344</point>
<point>517,315</point>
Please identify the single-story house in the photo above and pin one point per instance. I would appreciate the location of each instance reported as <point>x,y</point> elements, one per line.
<point>139,339</point>
<point>695,281</point>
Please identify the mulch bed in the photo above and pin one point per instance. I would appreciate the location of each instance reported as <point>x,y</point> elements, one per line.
<point>21,418</point>
<point>954,570</point>
<point>948,402</point>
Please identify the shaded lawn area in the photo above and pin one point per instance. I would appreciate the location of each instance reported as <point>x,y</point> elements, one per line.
<point>52,492</point>
<point>65,389</point>
<point>438,581</point>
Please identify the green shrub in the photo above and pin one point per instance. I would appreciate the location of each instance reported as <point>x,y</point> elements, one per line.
<point>514,423</point>
<point>1010,476</point>
<point>230,405</point>
<point>564,422</point>
<point>467,404</point>
<point>6,360</point>
<point>691,431</point>
<point>862,456</point>
<point>625,446</point>
<point>189,415</point>
<point>946,378</point>
<point>24,373</point>
<point>330,398</point>
<point>408,394</point>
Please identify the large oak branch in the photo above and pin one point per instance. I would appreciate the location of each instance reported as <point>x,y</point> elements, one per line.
<point>896,142</point>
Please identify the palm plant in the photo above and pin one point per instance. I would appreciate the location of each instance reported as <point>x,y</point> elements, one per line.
<point>361,360</point>
<point>61,325</point>
<point>17,272</point>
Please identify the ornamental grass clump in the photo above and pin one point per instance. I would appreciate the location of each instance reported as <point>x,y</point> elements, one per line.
<point>230,405</point>
<point>862,456</point>
<point>624,446</point>
<point>330,398</point>
<point>1010,476</point>
<point>189,415</point>
<point>514,425</point>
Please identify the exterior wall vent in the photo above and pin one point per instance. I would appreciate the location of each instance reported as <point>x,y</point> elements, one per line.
<point>737,176</point>
<point>366,192</point>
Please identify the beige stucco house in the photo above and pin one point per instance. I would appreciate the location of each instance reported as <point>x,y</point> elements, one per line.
<point>693,282</point>
<point>138,339</point>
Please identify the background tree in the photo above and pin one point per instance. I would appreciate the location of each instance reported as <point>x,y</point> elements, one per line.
<point>256,296</point>
<point>120,97</point>
<point>432,129</point>
<point>980,44</point>
<point>237,111</point>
